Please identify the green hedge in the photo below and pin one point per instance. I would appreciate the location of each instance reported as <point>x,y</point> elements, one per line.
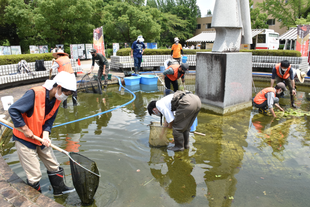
<point>14,59</point>
<point>108,53</point>
<point>292,53</point>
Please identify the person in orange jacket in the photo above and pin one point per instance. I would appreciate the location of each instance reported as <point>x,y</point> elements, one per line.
<point>35,114</point>
<point>63,63</point>
<point>173,73</point>
<point>267,98</point>
<point>283,72</point>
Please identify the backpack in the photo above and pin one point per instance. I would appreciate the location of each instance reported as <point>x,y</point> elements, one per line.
<point>23,67</point>
<point>176,98</point>
<point>39,65</point>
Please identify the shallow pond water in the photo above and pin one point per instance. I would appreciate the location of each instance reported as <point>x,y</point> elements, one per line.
<point>245,159</point>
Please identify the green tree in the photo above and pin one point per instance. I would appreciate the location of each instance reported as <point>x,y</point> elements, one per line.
<point>186,10</point>
<point>123,22</point>
<point>258,19</point>
<point>209,12</point>
<point>303,21</point>
<point>286,11</point>
<point>53,21</point>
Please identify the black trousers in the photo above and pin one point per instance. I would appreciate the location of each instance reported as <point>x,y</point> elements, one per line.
<point>174,84</point>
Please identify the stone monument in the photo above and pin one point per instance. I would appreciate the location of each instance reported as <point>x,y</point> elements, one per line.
<point>224,76</point>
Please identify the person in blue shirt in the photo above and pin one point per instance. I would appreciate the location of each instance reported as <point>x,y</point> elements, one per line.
<point>137,50</point>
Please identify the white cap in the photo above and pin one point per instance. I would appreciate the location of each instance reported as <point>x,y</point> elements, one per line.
<point>66,80</point>
<point>140,38</point>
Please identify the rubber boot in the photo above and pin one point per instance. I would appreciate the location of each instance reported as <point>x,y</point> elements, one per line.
<point>293,102</point>
<point>35,186</point>
<point>65,104</point>
<point>178,145</point>
<point>136,70</point>
<point>74,98</point>
<point>186,140</point>
<point>57,181</point>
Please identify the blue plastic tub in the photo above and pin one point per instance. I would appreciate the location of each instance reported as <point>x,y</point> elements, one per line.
<point>162,68</point>
<point>184,59</point>
<point>133,88</point>
<point>149,88</point>
<point>148,79</point>
<point>132,80</point>
<point>193,127</point>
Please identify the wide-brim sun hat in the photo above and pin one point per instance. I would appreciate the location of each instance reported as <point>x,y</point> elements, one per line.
<point>56,53</point>
<point>140,38</point>
<point>301,76</point>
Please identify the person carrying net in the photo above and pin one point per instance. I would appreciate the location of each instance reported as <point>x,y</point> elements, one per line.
<point>103,66</point>
<point>35,114</point>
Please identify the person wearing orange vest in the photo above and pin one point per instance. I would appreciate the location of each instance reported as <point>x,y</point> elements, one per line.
<point>34,114</point>
<point>173,73</point>
<point>267,98</point>
<point>283,72</point>
<point>63,63</point>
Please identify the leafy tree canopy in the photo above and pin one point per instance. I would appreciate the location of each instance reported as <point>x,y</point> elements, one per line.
<point>286,11</point>
<point>258,19</point>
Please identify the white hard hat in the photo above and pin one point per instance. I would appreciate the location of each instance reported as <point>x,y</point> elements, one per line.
<point>176,39</point>
<point>66,80</point>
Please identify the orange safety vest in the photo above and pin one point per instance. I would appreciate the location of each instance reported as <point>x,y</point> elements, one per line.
<point>64,64</point>
<point>38,118</point>
<point>174,76</point>
<point>286,74</point>
<point>260,96</point>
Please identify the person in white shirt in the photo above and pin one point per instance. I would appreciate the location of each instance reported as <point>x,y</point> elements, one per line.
<point>180,110</point>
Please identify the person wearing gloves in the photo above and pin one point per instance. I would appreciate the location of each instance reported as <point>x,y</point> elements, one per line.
<point>137,49</point>
<point>176,50</point>
<point>103,66</point>
<point>34,114</point>
<point>267,98</point>
<point>173,73</point>
<point>180,111</point>
<point>283,72</point>
<point>63,63</point>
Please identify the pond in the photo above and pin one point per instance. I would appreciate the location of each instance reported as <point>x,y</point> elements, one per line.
<point>245,159</point>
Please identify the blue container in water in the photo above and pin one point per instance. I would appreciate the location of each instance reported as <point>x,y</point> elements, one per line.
<point>132,80</point>
<point>193,127</point>
<point>148,79</point>
<point>184,59</point>
<point>162,68</point>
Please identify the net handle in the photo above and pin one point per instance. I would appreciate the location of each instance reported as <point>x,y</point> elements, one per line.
<point>52,145</point>
<point>34,136</point>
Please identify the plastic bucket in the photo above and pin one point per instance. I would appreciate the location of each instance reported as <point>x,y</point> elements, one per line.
<point>193,127</point>
<point>7,101</point>
<point>158,135</point>
<point>184,59</point>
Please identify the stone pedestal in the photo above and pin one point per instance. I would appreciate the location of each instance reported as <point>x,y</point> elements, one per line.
<point>224,81</point>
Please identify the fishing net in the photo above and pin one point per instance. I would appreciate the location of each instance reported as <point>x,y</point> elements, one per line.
<point>89,84</point>
<point>85,177</point>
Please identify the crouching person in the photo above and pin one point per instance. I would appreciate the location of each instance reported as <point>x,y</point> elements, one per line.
<point>186,107</point>
<point>266,98</point>
<point>35,113</point>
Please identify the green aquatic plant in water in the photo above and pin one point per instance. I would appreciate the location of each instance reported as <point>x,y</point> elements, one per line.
<point>290,113</point>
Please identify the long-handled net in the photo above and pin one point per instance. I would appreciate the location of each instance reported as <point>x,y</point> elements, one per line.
<point>85,177</point>
<point>166,91</point>
<point>84,171</point>
<point>89,84</point>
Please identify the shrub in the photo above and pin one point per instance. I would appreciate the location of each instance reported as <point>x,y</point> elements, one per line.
<point>14,59</point>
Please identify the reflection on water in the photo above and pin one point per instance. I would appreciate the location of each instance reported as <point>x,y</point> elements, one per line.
<point>245,159</point>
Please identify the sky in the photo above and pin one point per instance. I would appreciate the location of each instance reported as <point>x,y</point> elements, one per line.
<point>205,5</point>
